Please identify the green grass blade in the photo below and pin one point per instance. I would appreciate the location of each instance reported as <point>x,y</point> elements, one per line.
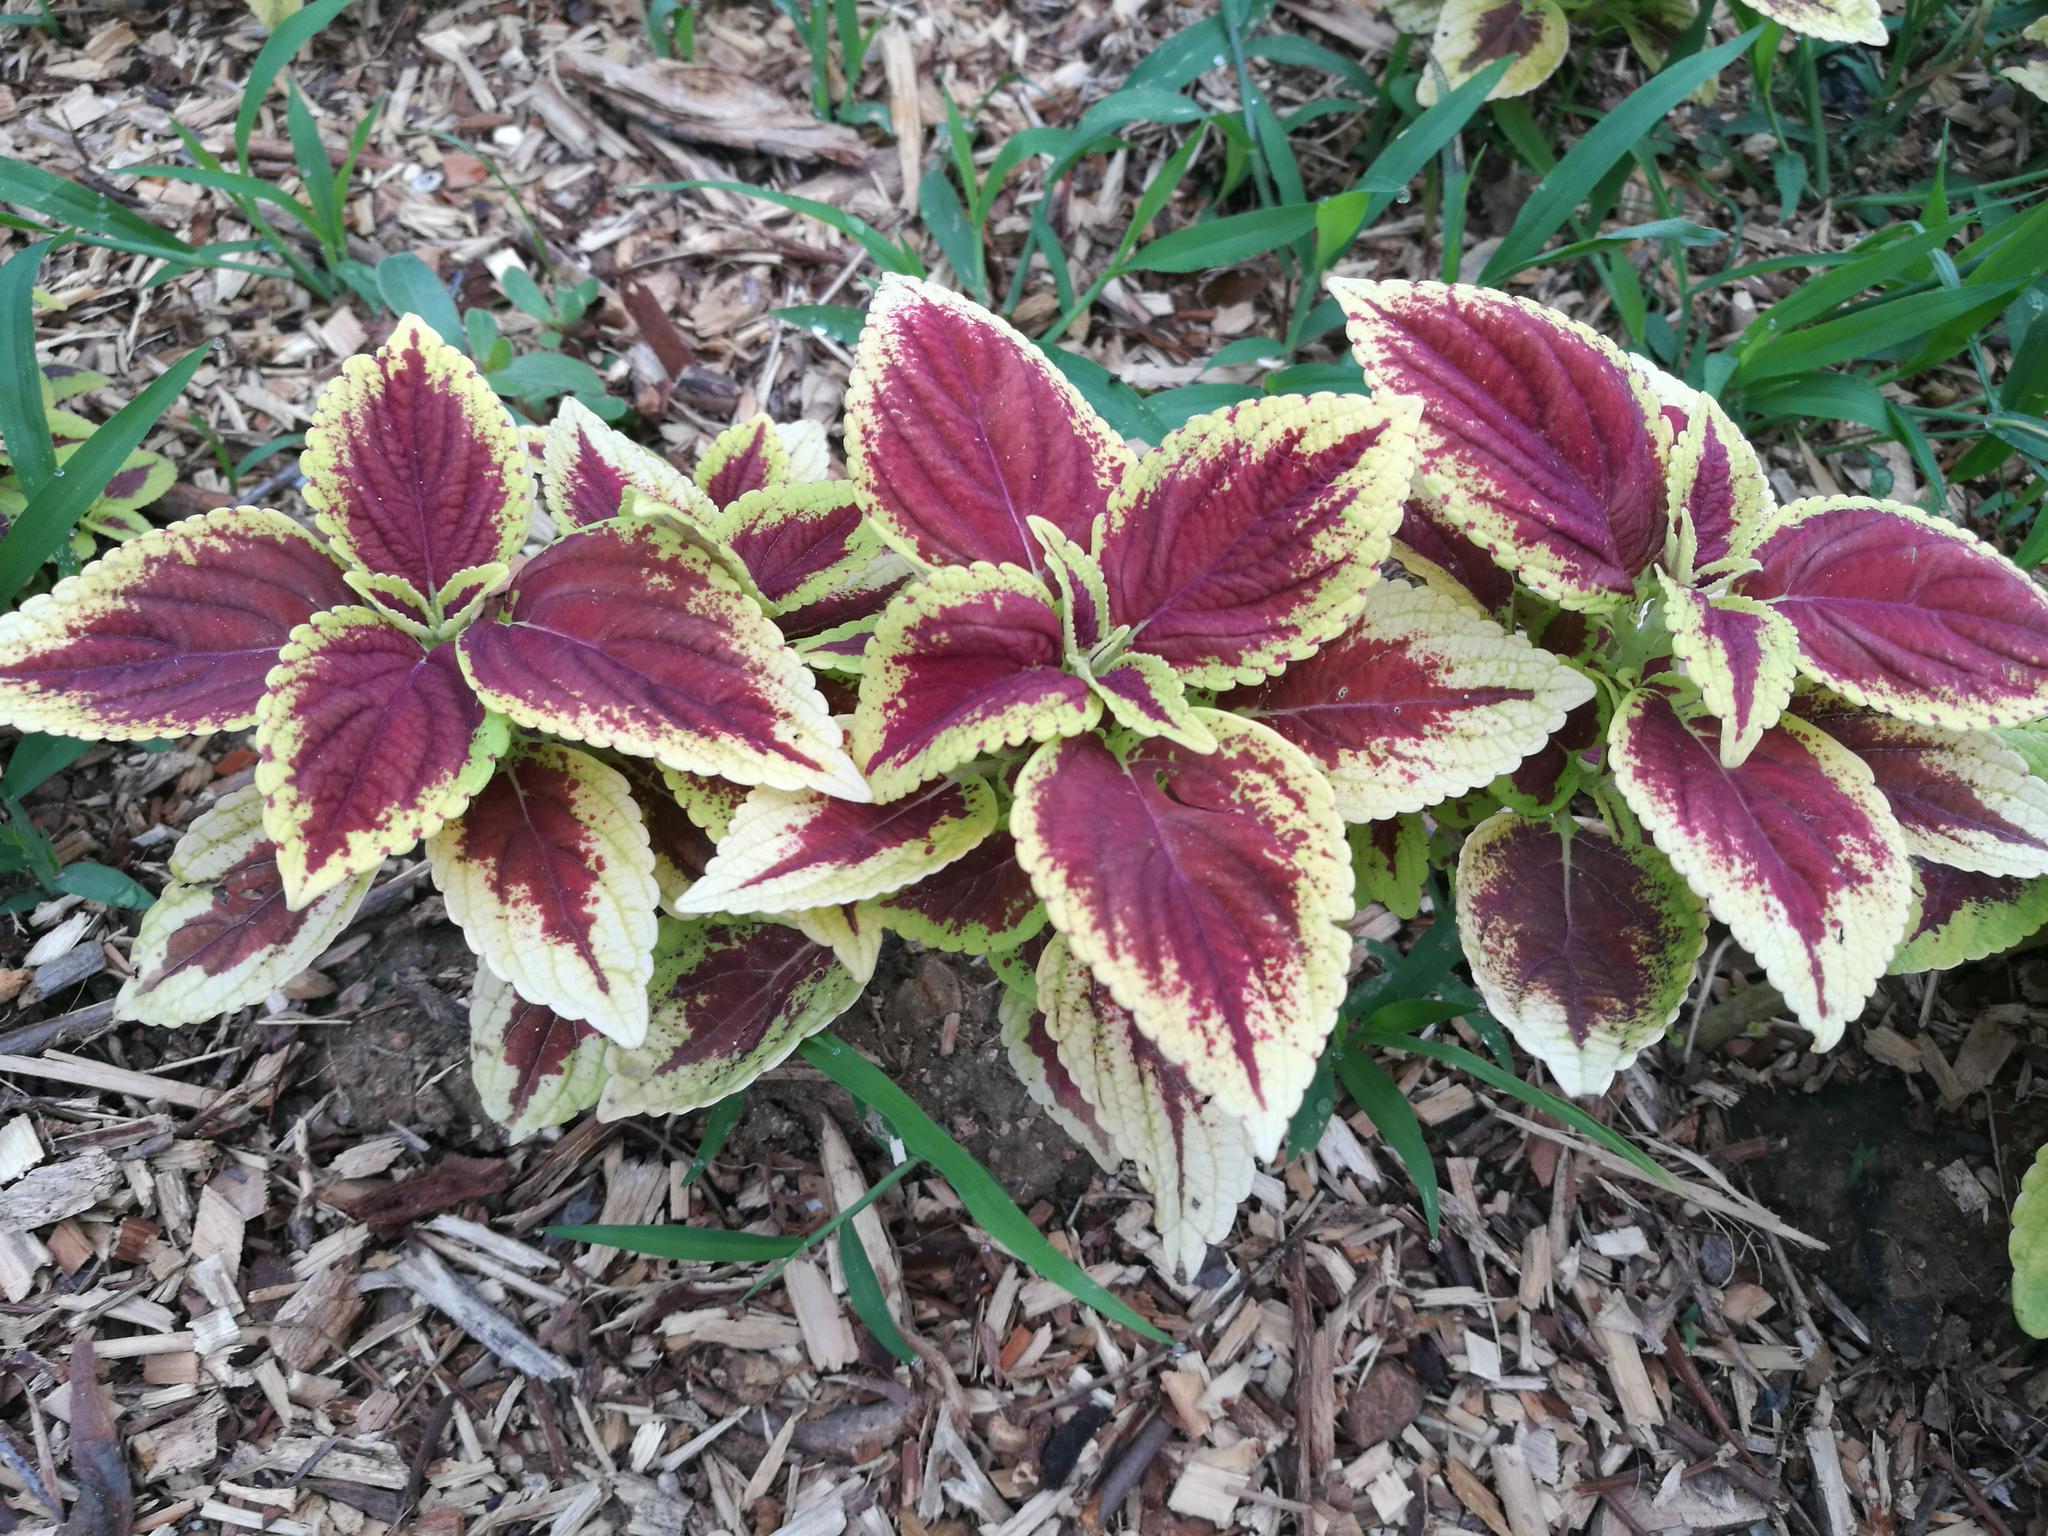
<point>864,1290</point>
<point>94,213</point>
<point>811,1239</point>
<point>36,757</point>
<point>696,1245</point>
<point>718,1127</point>
<point>1877,260</point>
<point>24,425</point>
<point>50,516</point>
<point>316,175</point>
<point>291,35</point>
<point>945,218</point>
<point>1864,332</point>
<point>1606,144</point>
<point>889,255</point>
<point>1394,1118</point>
<point>1682,232</point>
<point>837,322</point>
<point>1221,242</point>
<point>993,1210</point>
<point>234,184</point>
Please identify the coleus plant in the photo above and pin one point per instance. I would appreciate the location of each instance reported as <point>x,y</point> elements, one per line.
<point>548,726</point>
<point>1818,722</point>
<point>1117,727</point>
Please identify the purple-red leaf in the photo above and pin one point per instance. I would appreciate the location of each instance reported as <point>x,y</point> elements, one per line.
<point>1741,654</point>
<point>981,904</point>
<point>1538,439</point>
<point>532,1067</point>
<point>1204,890</point>
<point>169,635</point>
<point>631,636</point>
<point>1965,916</point>
<point>1795,850</point>
<point>958,431</point>
<point>1904,613</point>
<point>412,464</point>
<point>1249,536</point>
<point>1434,550</point>
<point>591,468</point>
<point>368,744</point>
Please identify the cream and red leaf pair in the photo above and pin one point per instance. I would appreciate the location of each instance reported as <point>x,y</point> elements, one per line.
<point>1606,486</point>
<point>384,672</point>
<point>1189,647</point>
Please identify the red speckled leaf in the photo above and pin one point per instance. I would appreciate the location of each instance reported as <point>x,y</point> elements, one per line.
<point>590,469</point>
<point>966,662</point>
<point>745,457</point>
<point>732,998</point>
<point>803,546</point>
<point>1204,890</point>
<point>1741,654</point>
<point>630,636</point>
<point>980,904</point>
<point>1905,613</point>
<point>1538,439</point>
<point>168,635</point>
<point>1436,552</point>
<point>1582,946</point>
<point>958,431</point>
<point>532,1067</point>
<point>412,464</point>
<point>1795,850</point>
<point>222,936</point>
<point>1965,916</point>
<point>1249,537</point>
<point>1962,798</point>
<point>1717,485</point>
<point>368,744</point>
<point>550,876</point>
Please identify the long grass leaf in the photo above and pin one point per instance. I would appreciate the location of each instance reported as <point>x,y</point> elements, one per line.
<point>698,1245</point>
<point>291,35</point>
<point>1394,1118</point>
<point>24,425</point>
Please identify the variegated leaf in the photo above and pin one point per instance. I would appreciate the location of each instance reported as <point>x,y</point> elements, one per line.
<point>413,467</point>
<point>801,544</point>
<point>170,635</point>
<point>630,636</point>
<point>747,456</point>
<point>1435,551</point>
<point>141,479</point>
<point>1965,916</point>
<point>676,808</point>
<point>367,744</point>
<point>1036,1060</point>
<point>1248,538</point>
<point>1205,890</point>
<point>1194,1156</point>
<point>732,998</point>
<point>1144,694</point>
<point>550,876</point>
<point>1471,34</point>
<point>1718,492</point>
<point>1539,441</point>
<point>589,468</point>
<point>1420,700</point>
<point>1741,654</point>
<point>958,431</point>
<point>222,936</point>
<point>1583,946</point>
<point>786,852</point>
<point>966,662</point>
<point>1832,21</point>
<point>1796,850</point>
<point>1962,798</point>
<point>532,1067</point>
<point>1904,613</point>
<point>980,904</point>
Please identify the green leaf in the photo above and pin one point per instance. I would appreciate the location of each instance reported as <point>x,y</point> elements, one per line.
<point>889,255</point>
<point>96,882</point>
<point>993,1210</point>
<point>1879,259</point>
<point>1865,332</point>
<point>523,291</point>
<point>838,322</point>
<point>2028,1249</point>
<point>54,197</point>
<point>46,522</point>
<point>1682,232</point>
<point>1116,402</point>
<point>875,1191</point>
<point>543,375</point>
<point>1223,242</point>
<point>36,757</point>
<point>864,1290</point>
<point>696,1245</point>
<point>1394,1118</point>
<point>234,183</point>
<point>291,35</point>
<point>718,1125</point>
<point>939,206</point>
<point>410,287</point>
<point>24,425</point>
<point>1606,144</point>
<point>316,175</point>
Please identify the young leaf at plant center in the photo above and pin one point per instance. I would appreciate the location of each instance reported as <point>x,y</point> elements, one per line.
<point>629,635</point>
<point>1193,1155</point>
<point>222,936</point>
<point>589,467</point>
<point>980,904</point>
<point>1796,850</point>
<point>1717,487</point>
<point>171,634</point>
<point>413,467</point>
<point>1904,613</point>
<point>1742,655</point>
<point>532,1067</point>
<point>1962,798</point>
<point>1246,539</point>
<point>958,431</point>
<point>550,876</point>
<point>1421,700</point>
<point>787,852</point>
<point>1143,693</point>
<point>1204,889</point>
<point>804,546</point>
<point>743,458</point>
<point>731,998</point>
<point>1539,440</point>
<point>367,744</point>
<point>967,662</point>
<point>1583,946</point>
<point>1964,916</point>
